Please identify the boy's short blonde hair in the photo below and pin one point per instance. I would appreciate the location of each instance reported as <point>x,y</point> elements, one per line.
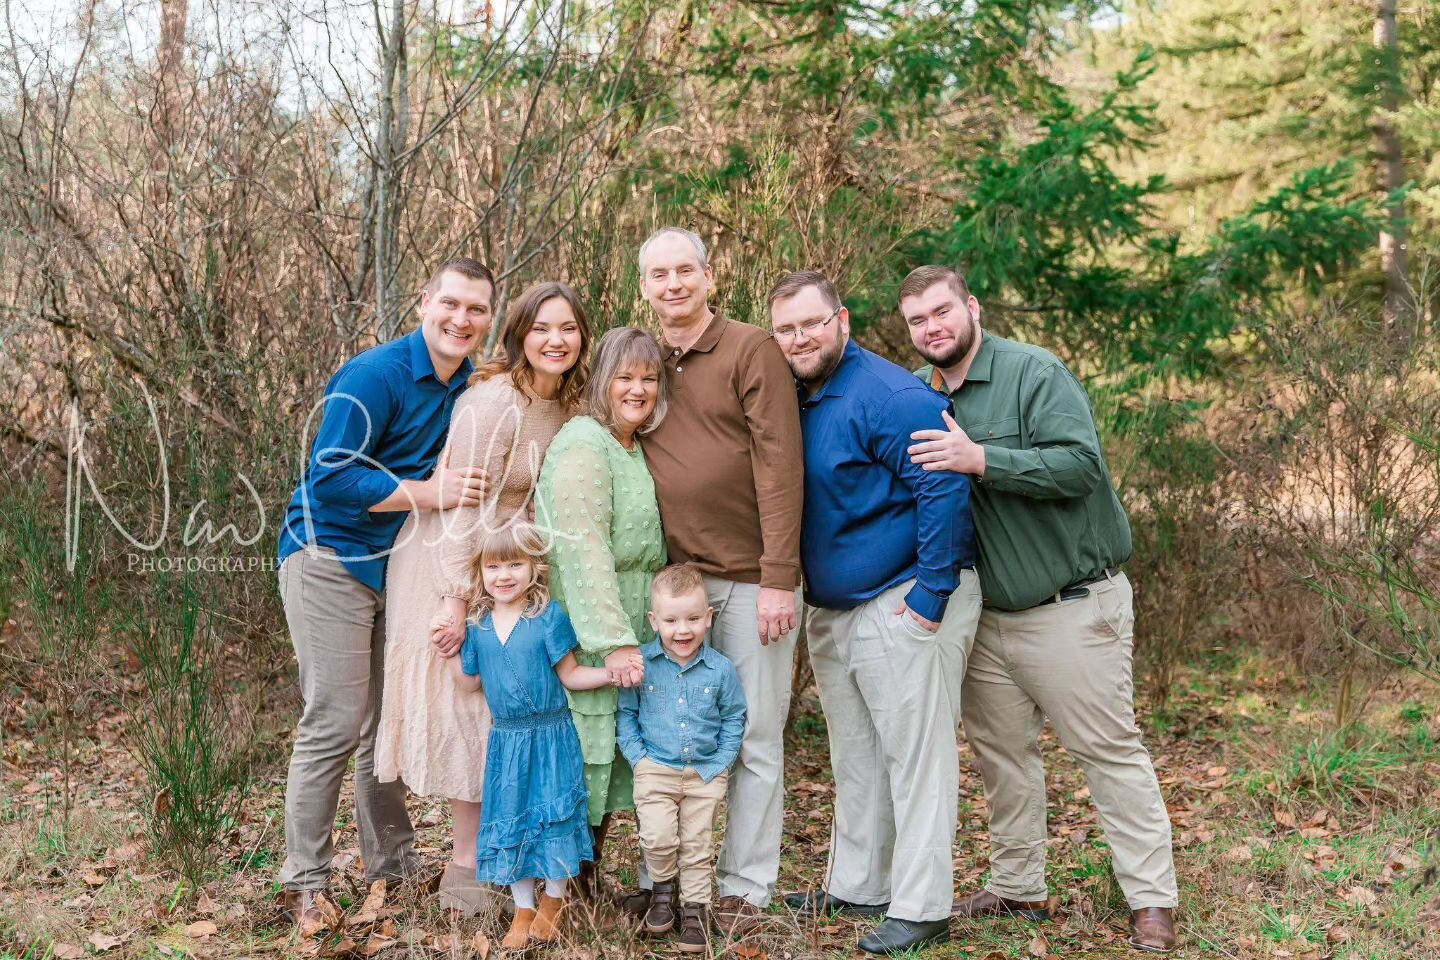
<point>677,580</point>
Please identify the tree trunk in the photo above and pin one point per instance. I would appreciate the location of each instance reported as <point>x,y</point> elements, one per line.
<point>1390,158</point>
<point>388,198</point>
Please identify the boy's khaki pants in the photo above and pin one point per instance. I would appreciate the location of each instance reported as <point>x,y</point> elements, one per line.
<point>891,695</point>
<point>676,812</point>
<point>1069,661</point>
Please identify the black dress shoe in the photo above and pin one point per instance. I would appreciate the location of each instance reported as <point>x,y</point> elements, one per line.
<point>824,904</point>
<point>896,935</point>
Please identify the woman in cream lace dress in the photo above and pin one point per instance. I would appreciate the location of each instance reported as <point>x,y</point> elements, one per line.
<point>431,735</point>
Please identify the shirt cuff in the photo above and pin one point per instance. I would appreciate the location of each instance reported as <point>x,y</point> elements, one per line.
<point>779,576</point>
<point>709,771</point>
<point>926,604</point>
<point>377,487</point>
<point>634,753</point>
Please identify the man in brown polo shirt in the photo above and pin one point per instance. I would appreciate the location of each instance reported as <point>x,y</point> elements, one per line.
<point>727,463</point>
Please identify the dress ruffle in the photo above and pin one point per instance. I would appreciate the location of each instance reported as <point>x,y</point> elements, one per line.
<point>549,842</point>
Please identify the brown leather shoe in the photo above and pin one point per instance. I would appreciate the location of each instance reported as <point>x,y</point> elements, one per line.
<point>1152,929</point>
<point>735,916</point>
<point>307,910</point>
<point>986,904</point>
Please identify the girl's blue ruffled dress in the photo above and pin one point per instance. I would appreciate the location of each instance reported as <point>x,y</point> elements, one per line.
<point>533,820</point>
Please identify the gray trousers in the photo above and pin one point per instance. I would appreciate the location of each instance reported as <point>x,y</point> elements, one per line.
<point>1071,662</point>
<point>337,625</point>
<point>891,695</point>
<point>749,861</point>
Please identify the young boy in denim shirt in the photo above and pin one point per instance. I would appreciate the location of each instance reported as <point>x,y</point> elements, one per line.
<point>681,730</point>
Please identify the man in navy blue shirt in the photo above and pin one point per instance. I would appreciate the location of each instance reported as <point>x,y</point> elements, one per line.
<point>892,600</point>
<point>381,429</point>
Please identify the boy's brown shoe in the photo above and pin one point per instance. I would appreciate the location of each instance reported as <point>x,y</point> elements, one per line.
<point>694,929</point>
<point>660,918</point>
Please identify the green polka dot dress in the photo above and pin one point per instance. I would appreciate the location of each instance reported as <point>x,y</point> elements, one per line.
<point>597,501</point>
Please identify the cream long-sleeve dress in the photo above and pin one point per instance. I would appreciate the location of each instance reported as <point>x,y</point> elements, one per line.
<point>431,734</point>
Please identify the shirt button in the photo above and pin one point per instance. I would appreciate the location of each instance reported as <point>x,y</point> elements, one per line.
<point>679,369</point>
<point>681,701</point>
<point>682,724</point>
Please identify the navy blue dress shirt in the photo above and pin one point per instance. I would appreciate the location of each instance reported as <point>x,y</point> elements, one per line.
<point>385,418</point>
<point>690,716</point>
<point>872,518</point>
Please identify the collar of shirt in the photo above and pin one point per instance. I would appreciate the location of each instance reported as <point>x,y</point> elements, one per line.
<point>654,651</point>
<point>421,366</point>
<point>709,337</point>
<point>979,371</point>
<point>839,379</point>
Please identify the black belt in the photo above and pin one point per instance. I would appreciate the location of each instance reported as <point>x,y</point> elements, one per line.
<point>1080,588</point>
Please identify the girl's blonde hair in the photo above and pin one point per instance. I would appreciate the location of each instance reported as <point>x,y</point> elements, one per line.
<point>514,541</point>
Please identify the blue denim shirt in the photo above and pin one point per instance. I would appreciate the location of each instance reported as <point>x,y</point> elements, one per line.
<point>690,716</point>
<point>385,418</point>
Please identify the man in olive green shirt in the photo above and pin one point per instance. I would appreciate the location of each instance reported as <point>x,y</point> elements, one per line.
<point>1056,632</point>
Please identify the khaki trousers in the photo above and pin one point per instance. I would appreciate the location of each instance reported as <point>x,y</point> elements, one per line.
<point>337,625</point>
<point>890,691</point>
<point>749,862</point>
<point>1071,662</point>
<point>676,811</point>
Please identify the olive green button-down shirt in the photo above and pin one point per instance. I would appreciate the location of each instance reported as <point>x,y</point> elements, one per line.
<point>1046,514</point>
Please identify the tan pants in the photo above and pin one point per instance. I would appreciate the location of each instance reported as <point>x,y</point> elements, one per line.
<point>1071,662</point>
<point>749,861</point>
<point>676,811</point>
<point>890,693</point>
<point>337,625</point>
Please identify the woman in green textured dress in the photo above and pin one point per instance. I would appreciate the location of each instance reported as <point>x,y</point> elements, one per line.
<point>597,502</point>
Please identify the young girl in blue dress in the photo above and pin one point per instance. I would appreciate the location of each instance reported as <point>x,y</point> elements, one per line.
<point>518,649</point>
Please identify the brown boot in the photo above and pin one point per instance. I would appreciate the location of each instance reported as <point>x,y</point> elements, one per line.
<point>585,880</point>
<point>735,916</point>
<point>518,936</point>
<point>310,910</point>
<point>660,917</point>
<point>1152,929</point>
<point>694,929</point>
<point>986,904</point>
<point>547,919</point>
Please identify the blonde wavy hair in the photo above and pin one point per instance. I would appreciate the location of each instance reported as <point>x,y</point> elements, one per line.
<point>514,541</point>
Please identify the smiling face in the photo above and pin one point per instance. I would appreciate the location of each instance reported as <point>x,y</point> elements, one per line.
<point>681,622</point>
<point>674,281</point>
<point>633,392</point>
<point>455,317</point>
<point>507,580</point>
<point>814,353</point>
<point>553,344</point>
<point>943,324</point>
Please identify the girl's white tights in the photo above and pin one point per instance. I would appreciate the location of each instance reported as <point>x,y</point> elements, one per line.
<point>524,892</point>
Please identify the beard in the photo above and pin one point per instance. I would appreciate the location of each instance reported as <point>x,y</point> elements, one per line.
<point>824,361</point>
<point>953,354</point>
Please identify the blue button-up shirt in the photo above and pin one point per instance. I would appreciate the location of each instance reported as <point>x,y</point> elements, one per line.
<point>384,421</point>
<point>872,518</point>
<point>690,716</point>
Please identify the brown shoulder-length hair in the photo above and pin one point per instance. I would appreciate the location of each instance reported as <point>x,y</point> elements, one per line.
<point>518,321</point>
<point>514,541</point>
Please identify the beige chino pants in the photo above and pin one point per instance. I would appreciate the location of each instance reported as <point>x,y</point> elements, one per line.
<point>337,625</point>
<point>675,810</point>
<point>749,862</point>
<point>890,691</point>
<point>1071,662</point>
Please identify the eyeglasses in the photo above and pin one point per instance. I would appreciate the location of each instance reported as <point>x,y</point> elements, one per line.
<point>809,327</point>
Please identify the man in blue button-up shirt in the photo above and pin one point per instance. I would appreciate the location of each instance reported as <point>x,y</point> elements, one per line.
<point>382,427</point>
<point>892,601</point>
<point>681,730</point>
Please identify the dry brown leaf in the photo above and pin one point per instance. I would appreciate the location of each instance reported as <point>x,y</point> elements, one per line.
<point>1337,934</point>
<point>1284,819</point>
<point>370,909</point>
<point>201,929</point>
<point>103,941</point>
<point>66,951</point>
<point>1240,854</point>
<point>92,878</point>
<point>748,951</point>
<point>481,943</point>
<point>205,904</point>
<point>375,944</point>
<point>1038,947</point>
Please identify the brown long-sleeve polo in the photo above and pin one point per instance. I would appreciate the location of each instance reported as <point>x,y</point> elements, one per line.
<point>727,459</point>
